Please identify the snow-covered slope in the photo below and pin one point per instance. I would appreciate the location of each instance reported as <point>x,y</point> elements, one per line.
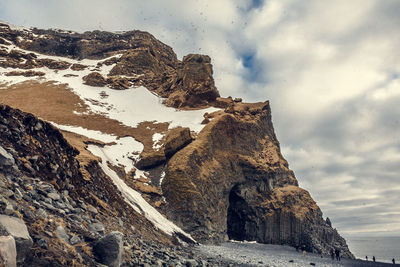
<point>130,107</point>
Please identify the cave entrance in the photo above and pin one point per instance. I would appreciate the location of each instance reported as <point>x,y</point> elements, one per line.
<point>237,215</point>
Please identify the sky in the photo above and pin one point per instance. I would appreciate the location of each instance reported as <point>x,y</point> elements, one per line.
<point>329,68</point>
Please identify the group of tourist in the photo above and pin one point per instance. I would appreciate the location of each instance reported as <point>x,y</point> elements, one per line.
<point>335,253</point>
<point>374,259</point>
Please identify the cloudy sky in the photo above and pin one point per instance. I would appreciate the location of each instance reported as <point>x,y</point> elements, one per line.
<point>330,69</point>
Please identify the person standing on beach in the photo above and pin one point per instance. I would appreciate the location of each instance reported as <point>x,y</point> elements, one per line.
<point>366,258</point>
<point>337,252</point>
<point>303,248</point>
<point>332,254</point>
<point>394,262</point>
<point>373,258</point>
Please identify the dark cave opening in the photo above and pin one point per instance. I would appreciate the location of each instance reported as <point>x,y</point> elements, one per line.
<point>236,219</point>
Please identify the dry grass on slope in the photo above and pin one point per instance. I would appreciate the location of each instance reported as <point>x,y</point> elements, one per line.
<point>57,103</point>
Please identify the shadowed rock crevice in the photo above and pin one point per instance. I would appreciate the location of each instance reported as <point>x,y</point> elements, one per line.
<point>237,219</point>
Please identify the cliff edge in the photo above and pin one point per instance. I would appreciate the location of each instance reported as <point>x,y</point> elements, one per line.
<point>232,182</point>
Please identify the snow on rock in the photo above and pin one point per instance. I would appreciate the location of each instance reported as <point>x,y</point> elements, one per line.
<point>162,176</point>
<point>130,107</point>
<point>157,137</point>
<point>136,105</point>
<point>97,135</point>
<point>134,199</point>
<point>123,151</point>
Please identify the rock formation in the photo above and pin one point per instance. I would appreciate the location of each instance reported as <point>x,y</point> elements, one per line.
<point>232,182</point>
<point>144,61</point>
<point>223,179</point>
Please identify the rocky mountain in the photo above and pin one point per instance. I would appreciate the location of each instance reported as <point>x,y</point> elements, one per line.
<point>114,151</point>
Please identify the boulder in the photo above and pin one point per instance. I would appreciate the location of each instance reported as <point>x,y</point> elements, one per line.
<point>78,67</point>
<point>94,79</point>
<point>62,234</point>
<point>109,249</point>
<point>8,251</point>
<point>221,102</point>
<point>136,62</point>
<point>18,230</point>
<point>119,83</point>
<point>150,160</point>
<point>53,64</point>
<point>6,159</point>
<point>176,139</point>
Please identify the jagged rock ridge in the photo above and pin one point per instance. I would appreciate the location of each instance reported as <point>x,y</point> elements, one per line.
<point>144,60</point>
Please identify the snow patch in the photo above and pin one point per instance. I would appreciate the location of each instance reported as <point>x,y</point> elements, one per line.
<point>136,105</point>
<point>130,107</point>
<point>140,173</point>
<point>134,199</point>
<point>96,135</point>
<point>123,151</point>
<point>162,176</point>
<point>157,137</point>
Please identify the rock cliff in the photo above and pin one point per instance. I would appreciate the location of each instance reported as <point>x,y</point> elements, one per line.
<point>216,172</point>
<point>232,182</point>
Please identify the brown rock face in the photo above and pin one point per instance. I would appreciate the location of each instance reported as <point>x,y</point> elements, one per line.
<point>150,160</point>
<point>176,139</point>
<point>232,182</point>
<point>139,59</point>
<point>194,82</point>
<point>94,79</point>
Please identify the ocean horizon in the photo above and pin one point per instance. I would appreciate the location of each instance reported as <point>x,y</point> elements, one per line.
<point>384,248</point>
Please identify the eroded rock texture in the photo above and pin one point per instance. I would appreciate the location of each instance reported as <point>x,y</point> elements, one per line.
<point>233,183</point>
<point>138,59</point>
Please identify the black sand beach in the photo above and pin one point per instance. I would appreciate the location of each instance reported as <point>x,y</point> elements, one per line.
<point>253,254</point>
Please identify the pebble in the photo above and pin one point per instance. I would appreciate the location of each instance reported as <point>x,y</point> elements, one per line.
<point>42,243</point>
<point>92,209</point>
<point>62,234</point>
<point>96,227</point>
<point>41,213</point>
<point>54,196</point>
<point>9,210</point>
<point>48,206</point>
<point>75,240</point>
<point>191,263</point>
<point>8,193</point>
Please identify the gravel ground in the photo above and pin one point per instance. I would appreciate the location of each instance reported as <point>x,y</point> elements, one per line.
<point>253,254</point>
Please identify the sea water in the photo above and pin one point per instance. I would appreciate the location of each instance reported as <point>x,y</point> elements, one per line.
<point>383,248</point>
